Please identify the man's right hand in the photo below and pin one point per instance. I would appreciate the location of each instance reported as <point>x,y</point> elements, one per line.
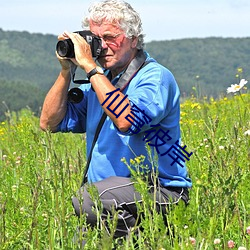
<point>66,63</point>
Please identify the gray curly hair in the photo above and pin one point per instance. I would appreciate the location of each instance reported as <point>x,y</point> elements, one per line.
<point>120,12</point>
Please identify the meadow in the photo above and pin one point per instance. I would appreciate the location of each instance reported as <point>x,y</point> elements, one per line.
<point>40,172</point>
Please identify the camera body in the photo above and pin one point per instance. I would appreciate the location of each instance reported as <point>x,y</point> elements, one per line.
<point>65,48</point>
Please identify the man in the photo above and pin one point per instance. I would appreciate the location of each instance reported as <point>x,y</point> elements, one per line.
<point>144,111</point>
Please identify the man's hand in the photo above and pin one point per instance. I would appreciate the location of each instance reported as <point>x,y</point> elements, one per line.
<point>66,63</point>
<point>83,54</point>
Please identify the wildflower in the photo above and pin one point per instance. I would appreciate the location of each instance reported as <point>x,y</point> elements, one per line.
<point>192,240</point>
<point>230,244</point>
<point>45,216</point>
<point>198,182</point>
<point>248,230</point>
<point>242,248</point>
<point>183,113</point>
<point>247,133</point>
<point>22,210</point>
<point>237,87</point>
<point>216,241</point>
<point>137,159</point>
<point>132,162</point>
<point>240,70</point>
<point>221,147</point>
<point>195,105</point>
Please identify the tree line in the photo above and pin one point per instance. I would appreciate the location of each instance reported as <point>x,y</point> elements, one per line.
<point>202,67</point>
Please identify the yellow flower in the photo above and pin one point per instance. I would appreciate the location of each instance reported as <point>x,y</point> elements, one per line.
<point>132,162</point>
<point>195,105</point>
<point>240,70</point>
<point>138,160</point>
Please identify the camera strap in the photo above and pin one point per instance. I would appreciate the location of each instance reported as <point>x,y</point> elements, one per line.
<point>136,64</point>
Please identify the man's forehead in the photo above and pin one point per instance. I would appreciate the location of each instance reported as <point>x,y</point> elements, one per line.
<point>104,25</point>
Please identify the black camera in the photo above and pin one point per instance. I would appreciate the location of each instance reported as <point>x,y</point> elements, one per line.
<point>65,48</point>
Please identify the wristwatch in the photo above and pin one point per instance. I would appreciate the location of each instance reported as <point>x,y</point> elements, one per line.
<point>96,70</point>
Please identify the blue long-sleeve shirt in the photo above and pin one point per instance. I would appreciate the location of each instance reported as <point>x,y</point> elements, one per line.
<point>155,92</point>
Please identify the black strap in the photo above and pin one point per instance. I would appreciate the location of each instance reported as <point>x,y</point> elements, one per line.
<point>97,132</point>
<point>136,64</point>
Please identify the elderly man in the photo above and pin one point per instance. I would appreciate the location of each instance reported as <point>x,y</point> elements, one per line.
<point>140,100</point>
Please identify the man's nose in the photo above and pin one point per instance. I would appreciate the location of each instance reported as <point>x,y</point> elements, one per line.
<point>104,44</point>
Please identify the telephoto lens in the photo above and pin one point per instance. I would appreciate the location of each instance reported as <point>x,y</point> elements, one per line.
<point>65,48</point>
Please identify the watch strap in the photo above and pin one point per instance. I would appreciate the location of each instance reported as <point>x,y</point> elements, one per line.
<point>93,72</point>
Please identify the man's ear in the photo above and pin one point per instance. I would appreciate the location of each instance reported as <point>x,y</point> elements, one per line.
<point>134,42</point>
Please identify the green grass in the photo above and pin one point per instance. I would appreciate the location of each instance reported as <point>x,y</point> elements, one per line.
<point>40,172</point>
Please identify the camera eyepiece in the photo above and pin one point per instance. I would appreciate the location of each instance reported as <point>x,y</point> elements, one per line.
<point>65,48</point>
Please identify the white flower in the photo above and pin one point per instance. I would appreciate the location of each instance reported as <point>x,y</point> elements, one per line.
<point>217,241</point>
<point>237,87</point>
<point>22,210</point>
<point>246,133</point>
<point>14,188</point>
<point>242,248</point>
<point>192,240</point>
<point>221,147</point>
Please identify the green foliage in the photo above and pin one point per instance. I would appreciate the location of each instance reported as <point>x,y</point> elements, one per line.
<point>40,172</point>
<point>28,58</point>
<point>28,68</point>
<point>14,95</point>
<point>210,61</point>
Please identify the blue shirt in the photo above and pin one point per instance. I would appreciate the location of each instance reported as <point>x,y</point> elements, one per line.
<point>154,91</point>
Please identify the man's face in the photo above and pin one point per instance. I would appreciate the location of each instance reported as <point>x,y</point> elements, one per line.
<point>118,50</point>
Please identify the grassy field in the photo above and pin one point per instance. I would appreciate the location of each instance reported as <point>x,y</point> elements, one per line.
<point>40,172</point>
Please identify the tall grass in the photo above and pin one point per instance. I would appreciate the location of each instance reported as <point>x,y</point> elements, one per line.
<point>40,172</point>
